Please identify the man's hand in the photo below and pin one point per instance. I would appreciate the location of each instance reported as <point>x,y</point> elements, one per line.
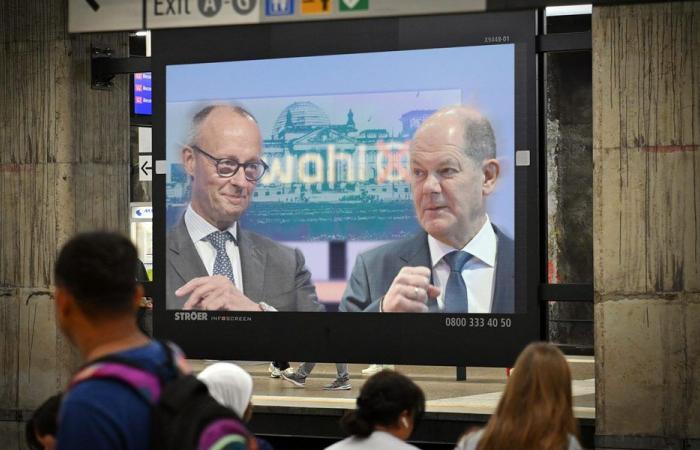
<point>215,293</point>
<point>409,291</point>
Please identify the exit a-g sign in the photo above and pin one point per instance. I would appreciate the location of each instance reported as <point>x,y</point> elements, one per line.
<point>112,15</point>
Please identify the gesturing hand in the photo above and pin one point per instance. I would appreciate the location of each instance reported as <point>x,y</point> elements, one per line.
<point>409,291</point>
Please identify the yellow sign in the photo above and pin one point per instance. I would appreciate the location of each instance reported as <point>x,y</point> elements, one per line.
<point>316,6</point>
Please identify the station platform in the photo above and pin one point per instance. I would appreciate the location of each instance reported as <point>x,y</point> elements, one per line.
<point>308,417</point>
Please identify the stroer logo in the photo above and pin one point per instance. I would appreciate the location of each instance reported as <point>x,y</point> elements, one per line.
<point>191,315</point>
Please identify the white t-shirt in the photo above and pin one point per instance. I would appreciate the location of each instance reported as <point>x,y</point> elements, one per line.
<point>470,442</point>
<point>378,440</point>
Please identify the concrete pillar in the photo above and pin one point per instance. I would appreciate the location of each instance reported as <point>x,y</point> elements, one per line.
<point>646,224</point>
<point>64,168</point>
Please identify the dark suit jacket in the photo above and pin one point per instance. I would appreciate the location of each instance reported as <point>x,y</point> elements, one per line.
<point>376,269</point>
<point>272,273</point>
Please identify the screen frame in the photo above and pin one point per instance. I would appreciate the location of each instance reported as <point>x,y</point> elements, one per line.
<point>361,337</point>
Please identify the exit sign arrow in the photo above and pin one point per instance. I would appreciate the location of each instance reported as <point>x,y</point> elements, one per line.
<point>145,168</point>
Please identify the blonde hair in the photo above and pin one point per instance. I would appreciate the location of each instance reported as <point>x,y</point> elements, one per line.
<point>535,411</point>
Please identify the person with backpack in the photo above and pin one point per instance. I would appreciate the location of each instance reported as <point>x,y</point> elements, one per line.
<point>133,393</point>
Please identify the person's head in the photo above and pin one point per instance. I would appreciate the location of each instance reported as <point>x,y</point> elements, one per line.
<point>535,411</point>
<point>95,279</point>
<point>228,133</point>
<point>389,402</point>
<point>231,386</point>
<point>40,431</point>
<point>453,168</point>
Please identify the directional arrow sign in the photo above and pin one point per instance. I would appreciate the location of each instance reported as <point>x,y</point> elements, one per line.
<point>145,167</point>
<point>105,15</point>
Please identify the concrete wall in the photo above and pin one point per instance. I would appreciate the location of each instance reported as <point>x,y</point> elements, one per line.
<point>64,168</point>
<point>646,225</point>
<point>568,115</point>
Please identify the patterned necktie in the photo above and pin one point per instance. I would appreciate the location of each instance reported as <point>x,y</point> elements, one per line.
<point>456,300</point>
<point>222,263</point>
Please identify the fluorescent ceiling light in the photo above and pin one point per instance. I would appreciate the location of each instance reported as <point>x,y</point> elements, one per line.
<point>142,33</point>
<point>569,10</point>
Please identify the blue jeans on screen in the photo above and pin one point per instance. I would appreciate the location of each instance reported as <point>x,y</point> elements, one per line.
<point>305,370</point>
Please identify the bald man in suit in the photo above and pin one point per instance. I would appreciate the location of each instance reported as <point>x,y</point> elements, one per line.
<point>213,264</point>
<point>460,262</point>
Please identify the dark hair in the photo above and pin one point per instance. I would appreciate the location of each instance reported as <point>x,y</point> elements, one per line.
<point>43,421</point>
<point>99,270</point>
<point>382,400</point>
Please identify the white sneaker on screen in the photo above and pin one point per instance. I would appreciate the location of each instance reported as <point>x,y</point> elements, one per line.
<point>274,371</point>
<point>372,369</point>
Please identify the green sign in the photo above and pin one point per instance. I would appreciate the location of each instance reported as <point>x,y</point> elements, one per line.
<point>354,5</point>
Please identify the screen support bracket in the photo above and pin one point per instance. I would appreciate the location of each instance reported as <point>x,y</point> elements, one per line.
<point>104,67</point>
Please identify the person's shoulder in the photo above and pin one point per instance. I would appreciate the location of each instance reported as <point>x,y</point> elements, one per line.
<point>153,358</point>
<point>103,414</point>
<point>264,243</point>
<point>382,439</point>
<point>502,237</point>
<point>99,396</point>
<point>177,235</point>
<point>470,440</point>
<point>574,443</point>
<point>407,446</point>
<point>153,351</point>
<point>93,391</point>
<point>391,249</point>
<point>338,445</point>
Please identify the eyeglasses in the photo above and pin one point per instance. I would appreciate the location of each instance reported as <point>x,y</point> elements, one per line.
<point>226,168</point>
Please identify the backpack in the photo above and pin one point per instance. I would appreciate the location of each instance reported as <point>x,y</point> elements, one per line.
<point>184,415</point>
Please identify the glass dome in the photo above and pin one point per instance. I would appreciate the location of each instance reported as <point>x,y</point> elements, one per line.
<point>301,114</point>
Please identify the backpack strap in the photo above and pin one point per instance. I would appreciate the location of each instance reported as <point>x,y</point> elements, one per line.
<point>228,434</point>
<point>147,384</point>
<point>176,358</point>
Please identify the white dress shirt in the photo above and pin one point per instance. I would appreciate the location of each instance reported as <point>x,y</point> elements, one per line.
<point>478,272</point>
<point>199,229</point>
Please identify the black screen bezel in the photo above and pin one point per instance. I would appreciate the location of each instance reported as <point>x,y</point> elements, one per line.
<point>361,337</point>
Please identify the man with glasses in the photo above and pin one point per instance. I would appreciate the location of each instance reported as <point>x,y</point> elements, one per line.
<point>213,264</point>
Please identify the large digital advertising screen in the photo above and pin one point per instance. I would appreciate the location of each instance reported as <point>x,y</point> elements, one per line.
<point>305,180</point>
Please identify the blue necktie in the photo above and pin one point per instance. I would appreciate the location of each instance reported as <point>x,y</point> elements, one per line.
<point>456,300</point>
<point>222,263</point>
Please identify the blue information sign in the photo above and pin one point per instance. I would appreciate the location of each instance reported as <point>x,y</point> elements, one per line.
<point>279,7</point>
<point>142,93</point>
